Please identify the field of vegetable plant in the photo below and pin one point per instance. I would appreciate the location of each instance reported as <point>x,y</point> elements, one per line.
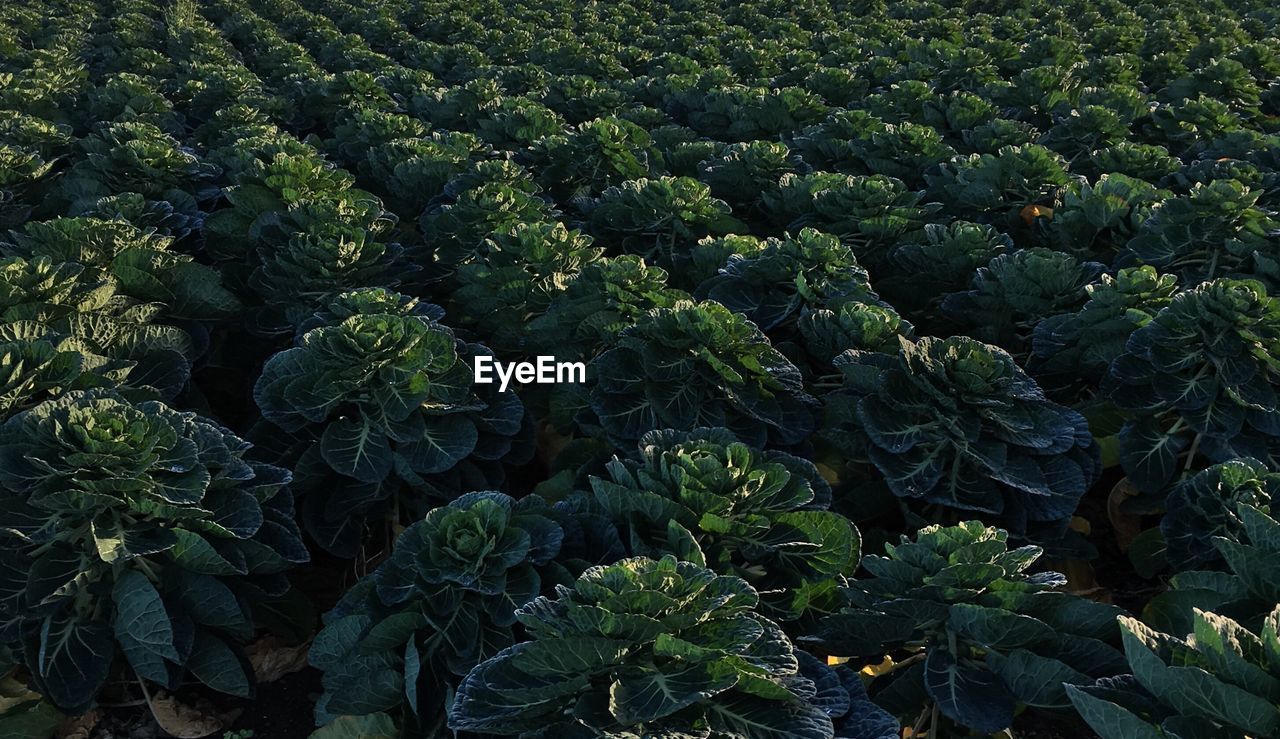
<point>930,360</point>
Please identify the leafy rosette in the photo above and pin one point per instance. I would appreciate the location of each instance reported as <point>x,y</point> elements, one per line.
<point>788,277</point>
<point>1219,680</point>
<point>445,600</point>
<point>826,333</point>
<point>742,173</point>
<point>298,233</point>
<point>956,423</point>
<point>124,96</point>
<point>1000,185</point>
<point>870,213</point>
<point>740,113</point>
<point>30,148</point>
<point>1216,230</point>
<point>697,364</point>
<point>289,193</point>
<point>943,259</point>
<point>138,530</point>
<point>518,123</point>
<point>644,648</point>
<point>1071,352</point>
<point>148,215</point>
<point>1096,221</point>
<point>63,324</point>
<point>594,156</point>
<point>456,230</point>
<point>857,142</point>
<point>1200,379</point>
<point>1148,162</point>
<point>40,289</point>
<point>970,631</point>
<point>655,216</point>
<point>1205,506</point>
<point>1245,555</point>
<point>1009,296</point>
<point>378,401</point>
<point>138,157</point>
<point>707,498</point>
<point>140,262</point>
<point>409,173</point>
<point>369,301</point>
<point>516,275</point>
<point>295,271</point>
<point>607,296</point>
<point>699,262</point>
<point>37,364</point>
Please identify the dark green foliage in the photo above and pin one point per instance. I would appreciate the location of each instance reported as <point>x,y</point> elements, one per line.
<point>983,635</point>
<point>789,277</point>
<point>642,647</point>
<point>140,531</point>
<point>1072,351</point>
<point>1219,680</point>
<point>1010,295</point>
<point>444,601</point>
<point>1204,507</point>
<point>956,423</point>
<point>377,401</point>
<point>1200,379</point>
<point>707,498</point>
<point>941,260</point>
<point>1217,230</point>
<point>697,364</point>
<point>140,262</point>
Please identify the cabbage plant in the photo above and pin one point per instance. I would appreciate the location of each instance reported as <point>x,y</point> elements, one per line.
<point>970,630</point>
<point>377,401</point>
<point>1199,379</point>
<point>445,600</point>
<point>644,647</point>
<point>142,263</point>
<point>956,423</point>
<point>708,498</point>
<point>1206,506</point>
<point>1219,680</point>
<point>1216,230</point>
<point>697,364</point>
<point>136,531</point>
<point>1072,351</point>
<point>774,286</point>
<point>1009,296</point>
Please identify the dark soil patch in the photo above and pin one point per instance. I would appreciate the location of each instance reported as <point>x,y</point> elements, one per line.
<point>282,709</point>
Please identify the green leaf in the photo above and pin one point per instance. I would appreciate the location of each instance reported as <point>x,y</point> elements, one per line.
<point>1195,692</point>
<point>36,719</point>
<point>371,726</point>
<point>116,544</point>
<point>142,625</point>
<point>656,693</point>
<point>193,552</point>
<point>216,664</point>
<point>72,661</point>
<point>1109,720</point>
<point>356,449</point>
<point>752,718</point>
<point>968,693</point>
<point>1033,679</point>
<point>998,629</point>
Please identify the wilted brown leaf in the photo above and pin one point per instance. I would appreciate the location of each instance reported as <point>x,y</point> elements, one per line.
<point>1126,525</point>
<point>78,727</point>
<point>184,721</point>
<point>272,661</point>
